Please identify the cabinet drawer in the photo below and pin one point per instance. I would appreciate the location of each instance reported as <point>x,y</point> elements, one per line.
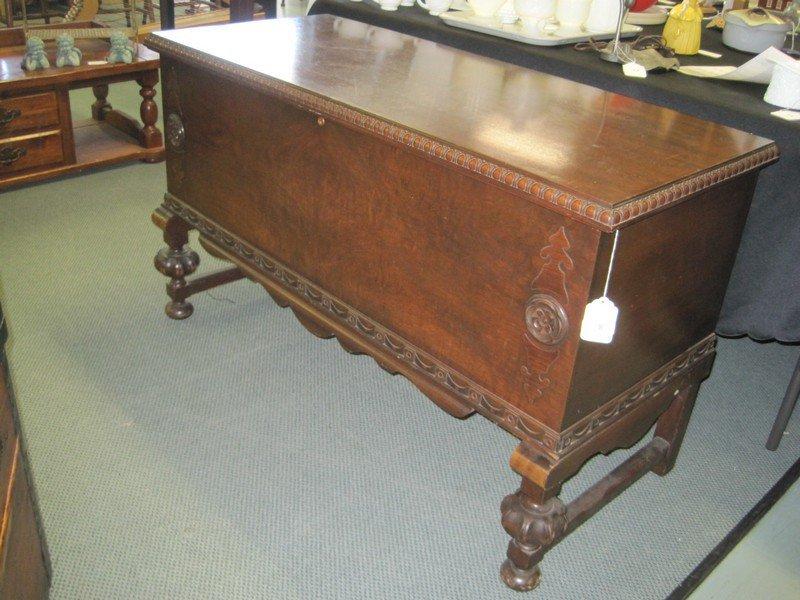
<point>22,113</point>
<point>27,152</point>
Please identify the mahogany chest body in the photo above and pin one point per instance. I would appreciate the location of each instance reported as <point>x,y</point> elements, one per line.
<point>452,216</point>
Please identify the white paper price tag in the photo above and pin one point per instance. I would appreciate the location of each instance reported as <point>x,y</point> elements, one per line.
<point>633,69</point>
<point>789,115</point>
<point>599,321</point>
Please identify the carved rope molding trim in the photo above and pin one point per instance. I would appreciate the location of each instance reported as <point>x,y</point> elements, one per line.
<point>485,402</point>
<point>544,193</point>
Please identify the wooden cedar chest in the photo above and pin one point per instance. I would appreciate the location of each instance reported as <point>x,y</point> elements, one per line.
<point>452,216</point>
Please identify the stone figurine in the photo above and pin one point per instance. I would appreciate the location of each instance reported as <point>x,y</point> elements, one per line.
<point>67,55</point>
<point>35,57</point>
<point>121,48</point>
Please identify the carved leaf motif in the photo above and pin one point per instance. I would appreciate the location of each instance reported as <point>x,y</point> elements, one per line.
<point>553,274</point>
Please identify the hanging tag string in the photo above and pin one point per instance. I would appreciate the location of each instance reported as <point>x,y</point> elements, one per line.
<point>611,263</point>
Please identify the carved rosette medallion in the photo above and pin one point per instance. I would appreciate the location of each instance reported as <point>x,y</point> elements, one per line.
<point>546,319</point>
<point>176,133</point>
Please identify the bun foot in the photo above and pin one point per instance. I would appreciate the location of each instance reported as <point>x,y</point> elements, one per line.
<point>179,310</point>
<point>520,580</point>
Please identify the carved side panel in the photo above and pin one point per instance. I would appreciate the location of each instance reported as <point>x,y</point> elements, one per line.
<point>546,320</point>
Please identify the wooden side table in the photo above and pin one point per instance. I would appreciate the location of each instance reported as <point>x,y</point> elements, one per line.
<point>38,138</point>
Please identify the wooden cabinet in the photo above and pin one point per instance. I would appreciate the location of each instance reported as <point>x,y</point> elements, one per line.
<point>24,563</point>
<point>38,138</point>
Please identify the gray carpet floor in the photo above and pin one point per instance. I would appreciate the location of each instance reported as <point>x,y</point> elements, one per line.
<point>236,456</point>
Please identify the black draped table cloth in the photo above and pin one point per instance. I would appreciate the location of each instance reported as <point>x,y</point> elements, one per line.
<point>763,297</point>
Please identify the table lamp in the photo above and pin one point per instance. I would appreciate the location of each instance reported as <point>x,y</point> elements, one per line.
<point>617,51</point>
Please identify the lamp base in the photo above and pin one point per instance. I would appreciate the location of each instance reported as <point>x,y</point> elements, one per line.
<point>616,52</point>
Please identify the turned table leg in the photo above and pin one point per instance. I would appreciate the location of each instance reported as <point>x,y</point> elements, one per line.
<point>149,136</point>
<point>536,518</point>
<point>101,105</point>
<point>176,261</point>
<point>672,425</point>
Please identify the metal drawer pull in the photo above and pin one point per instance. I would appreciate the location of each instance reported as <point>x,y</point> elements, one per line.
<point>9,155</point>
<point>6,115</point>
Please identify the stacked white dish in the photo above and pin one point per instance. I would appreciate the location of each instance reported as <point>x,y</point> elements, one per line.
<point>655,15</point>
<point>543,22</point>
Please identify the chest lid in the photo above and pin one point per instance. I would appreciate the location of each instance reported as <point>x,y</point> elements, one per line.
<point>596,156</point>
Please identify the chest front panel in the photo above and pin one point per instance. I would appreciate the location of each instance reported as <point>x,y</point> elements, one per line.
<point>475,276</point>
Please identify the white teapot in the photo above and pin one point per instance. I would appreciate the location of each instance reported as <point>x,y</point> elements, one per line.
<point>536,15</point>
<point>603,16</point>
<point>572,14</point>
<point>485,8</point>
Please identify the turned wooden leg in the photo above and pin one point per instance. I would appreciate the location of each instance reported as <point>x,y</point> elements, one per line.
<point>126,7</point>
<point>101,105</point>
<point>176,261</point>
<point>672,425</point>
<point>149,136</point>
<point>535,520</point>
<point>149,12</point>
<point>242,10</point>
<point>166,9</point>
<point>534,516</point>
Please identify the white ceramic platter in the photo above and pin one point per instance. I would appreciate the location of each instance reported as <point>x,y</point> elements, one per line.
<point>467,20</point>
<point>655,15</point>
